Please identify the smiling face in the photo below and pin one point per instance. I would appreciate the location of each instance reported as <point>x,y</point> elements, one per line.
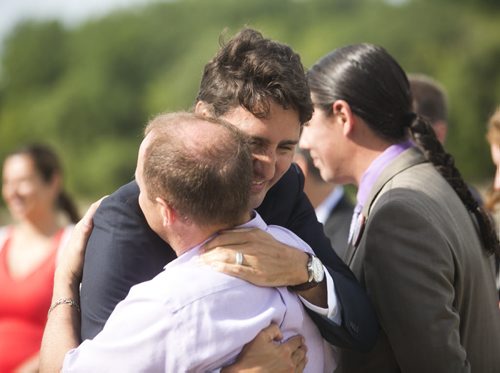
<point>323,137</point>
<point>273,142</point>
<point>26,194</point>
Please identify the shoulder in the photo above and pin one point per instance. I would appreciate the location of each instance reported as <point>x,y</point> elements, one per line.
<point>3,235</point>
<point>127,195</point>
<point>414,223</point>
<point>3,231</point>
<point>196,285</point>
<point>288,237</point>
<point>417,186</point>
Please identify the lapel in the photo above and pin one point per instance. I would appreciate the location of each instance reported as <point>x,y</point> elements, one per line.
<point>405,160</point>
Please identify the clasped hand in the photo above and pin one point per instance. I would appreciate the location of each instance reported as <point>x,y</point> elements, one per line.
<point>266,261</point>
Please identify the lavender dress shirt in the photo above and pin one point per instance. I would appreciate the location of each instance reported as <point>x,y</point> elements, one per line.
<point>190,318</point>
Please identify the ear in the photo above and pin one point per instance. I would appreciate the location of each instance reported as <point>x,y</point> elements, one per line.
<point>167,212</point>
<point>342,112</point>
<point>202,108</point>
<point>441,130</point>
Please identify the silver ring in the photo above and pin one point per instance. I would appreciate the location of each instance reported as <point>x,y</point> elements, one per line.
<point>239,258</point>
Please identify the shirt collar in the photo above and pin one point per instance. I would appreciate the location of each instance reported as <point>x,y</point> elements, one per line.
<point>329,203</point>
<point>375,169</point>
<point>255,222</point>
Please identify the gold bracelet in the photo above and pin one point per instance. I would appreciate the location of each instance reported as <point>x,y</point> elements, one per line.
<point>73,303</point>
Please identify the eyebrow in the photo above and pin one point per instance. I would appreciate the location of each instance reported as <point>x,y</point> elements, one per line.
<point>264,141</point>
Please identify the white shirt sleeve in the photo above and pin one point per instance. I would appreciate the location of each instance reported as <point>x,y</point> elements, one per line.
<point>333,310</point>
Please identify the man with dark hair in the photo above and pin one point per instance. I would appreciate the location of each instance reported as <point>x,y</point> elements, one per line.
<point>191,187</point>
<point>258,85</point>
<point>430,101</point>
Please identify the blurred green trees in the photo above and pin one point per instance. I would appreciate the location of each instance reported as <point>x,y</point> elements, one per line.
<point>89,90</point>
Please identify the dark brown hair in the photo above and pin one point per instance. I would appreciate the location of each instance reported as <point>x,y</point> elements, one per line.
<point>429,98</point>
<point>48,164</point>
<point>251,71</point>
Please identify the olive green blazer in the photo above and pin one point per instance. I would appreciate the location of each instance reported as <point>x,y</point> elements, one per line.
<point>420,258</point>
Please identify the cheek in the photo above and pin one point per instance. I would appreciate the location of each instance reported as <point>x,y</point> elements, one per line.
<point>27,190</point>
<point>495,154</point>
<point>283,163</point>
<point>315,136</point>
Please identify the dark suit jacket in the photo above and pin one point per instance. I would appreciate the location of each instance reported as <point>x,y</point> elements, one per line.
<point>337,225</point>
<point>123,251</point>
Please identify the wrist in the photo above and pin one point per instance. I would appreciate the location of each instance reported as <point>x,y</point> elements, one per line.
<point>65,301</point>
<point>65,278</point>
<point>65,287</point>
<point>315,274</point>
<point>302,272</point>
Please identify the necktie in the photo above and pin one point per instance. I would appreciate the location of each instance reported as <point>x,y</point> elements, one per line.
<point>354,221</point>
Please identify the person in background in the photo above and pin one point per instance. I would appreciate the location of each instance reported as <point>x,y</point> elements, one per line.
<point>259,86</point>
<point>32,188</point>
<point>192,186</point>
<point>493,137</point>
<point>332,206</point>
<point>493,197</point>
<point>420,244</point>
<point>431,102</point>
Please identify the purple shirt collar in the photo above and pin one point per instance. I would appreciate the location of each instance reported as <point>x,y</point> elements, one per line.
<point>375,169</point>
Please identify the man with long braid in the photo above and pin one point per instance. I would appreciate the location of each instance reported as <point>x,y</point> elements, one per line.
<point>420,243</point>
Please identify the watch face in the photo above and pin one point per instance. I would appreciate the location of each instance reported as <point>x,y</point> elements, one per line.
<point>317,269</point>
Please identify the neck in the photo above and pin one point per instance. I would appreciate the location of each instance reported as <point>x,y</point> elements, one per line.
<point>186,236</point>
<point>362,163</point>
<point>41,226</point>
<point>368,146</point>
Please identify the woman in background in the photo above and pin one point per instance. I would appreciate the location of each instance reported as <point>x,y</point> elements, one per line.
<point>493,137</point>
<point>493,197</point>
<point>32,190</point>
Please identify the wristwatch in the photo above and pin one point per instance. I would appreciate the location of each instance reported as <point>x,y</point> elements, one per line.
<point>316,274</point>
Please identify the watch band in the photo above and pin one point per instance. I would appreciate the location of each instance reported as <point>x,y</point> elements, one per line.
<point>304,286</point>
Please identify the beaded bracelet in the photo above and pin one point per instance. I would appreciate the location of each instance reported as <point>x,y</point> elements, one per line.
<point>73,303</point>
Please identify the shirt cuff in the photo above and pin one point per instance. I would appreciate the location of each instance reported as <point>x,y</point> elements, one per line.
<point>333,310</point>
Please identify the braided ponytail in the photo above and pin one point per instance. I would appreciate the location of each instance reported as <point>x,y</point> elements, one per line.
<point>424,137</point>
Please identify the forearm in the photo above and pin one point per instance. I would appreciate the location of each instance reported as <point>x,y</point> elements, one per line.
<point>317,295</point>
<point>62,331</point>
<point>332,309</point>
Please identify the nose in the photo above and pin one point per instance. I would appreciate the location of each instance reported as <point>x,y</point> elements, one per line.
<point>304,140</point>
<point>264,165</point>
